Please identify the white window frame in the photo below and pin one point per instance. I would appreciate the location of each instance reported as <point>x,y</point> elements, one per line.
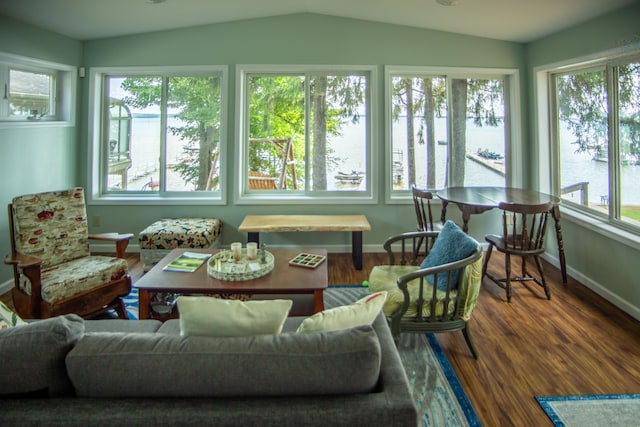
<point>243,197</point>
<point>97,195</point>
<point>64,93</point>
<point>548,172</point>
<point>513,137</point>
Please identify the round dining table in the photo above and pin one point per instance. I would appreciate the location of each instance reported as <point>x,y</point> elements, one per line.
<point>476,200</point>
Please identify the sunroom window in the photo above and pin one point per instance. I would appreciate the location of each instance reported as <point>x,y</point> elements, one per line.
<point>160,133</point>
<point>305,134</point>
<point>597,126</point>
<point>446,129</point>
<point>35,92</point>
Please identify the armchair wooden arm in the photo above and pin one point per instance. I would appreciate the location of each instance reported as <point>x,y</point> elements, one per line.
<point>121,240</point>
<point>22,261</point>
<point>30,266</point>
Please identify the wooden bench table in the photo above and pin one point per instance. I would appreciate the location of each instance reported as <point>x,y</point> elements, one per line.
<point>256,224</point>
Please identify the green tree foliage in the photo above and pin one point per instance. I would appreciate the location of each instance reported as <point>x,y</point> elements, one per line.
<point>195,101</point>
<point>277,110</point>
<point>481,100</point>
<point>583,106</point>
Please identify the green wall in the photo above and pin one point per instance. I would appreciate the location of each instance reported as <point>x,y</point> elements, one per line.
<point>295,39</point>
<point>39,157</point>
<point>57,157</point>
<point>594,258</point>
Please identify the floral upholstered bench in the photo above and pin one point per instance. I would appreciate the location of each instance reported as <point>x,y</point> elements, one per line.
<point>158,239</point>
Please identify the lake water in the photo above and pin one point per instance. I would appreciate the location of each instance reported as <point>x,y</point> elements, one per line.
<point>347,153</point>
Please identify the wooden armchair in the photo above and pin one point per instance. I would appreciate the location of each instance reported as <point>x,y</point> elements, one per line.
<point>54,272</point>
<point>414,304</point>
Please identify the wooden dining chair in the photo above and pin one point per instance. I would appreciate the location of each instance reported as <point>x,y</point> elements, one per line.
<point>523,232</point>
<point>424,217</point>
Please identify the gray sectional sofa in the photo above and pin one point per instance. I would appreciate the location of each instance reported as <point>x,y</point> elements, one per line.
<point>69,372</point>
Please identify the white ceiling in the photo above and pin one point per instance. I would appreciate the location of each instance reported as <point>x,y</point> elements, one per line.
<point>511,20</point>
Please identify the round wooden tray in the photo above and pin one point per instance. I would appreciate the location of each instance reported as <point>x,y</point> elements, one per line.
<point>221,266</point>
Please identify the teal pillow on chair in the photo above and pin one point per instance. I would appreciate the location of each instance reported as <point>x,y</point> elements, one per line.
<point>452,244</point>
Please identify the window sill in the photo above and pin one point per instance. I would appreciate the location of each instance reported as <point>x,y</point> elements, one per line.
<point>611,232</point>
<point>11,124</point>
<point>157,200</point>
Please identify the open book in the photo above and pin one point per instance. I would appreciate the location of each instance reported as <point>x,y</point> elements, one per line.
<point>188,262</point>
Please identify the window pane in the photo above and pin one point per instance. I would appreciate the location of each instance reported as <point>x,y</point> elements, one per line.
<point>419,132</point>
<point>315,142</point>
<point>629,134</point>
<point>276,133</point>
<point>158,144</point>
<point>421,150</point>
<point>478,135</point>
<point>193,134</point>
<point>30,94</point>
<point>338,134</point>
<point>134,164</point>
<point>583,136</point>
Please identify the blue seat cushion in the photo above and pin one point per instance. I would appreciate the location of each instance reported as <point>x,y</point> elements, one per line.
<point>452,244</point>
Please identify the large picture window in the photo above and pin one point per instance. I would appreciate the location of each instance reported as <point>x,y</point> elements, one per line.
<point>597,126</point>
<point>305,134</point>
<point>160,133</point>
<point>446,129</point>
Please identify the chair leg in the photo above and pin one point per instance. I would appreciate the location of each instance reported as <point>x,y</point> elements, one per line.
<point>507,282</point>
<point>524,266</point>
<point>467,337</point>
<point>121,309</point>
<point>544,282</point>
<point>486,261</point>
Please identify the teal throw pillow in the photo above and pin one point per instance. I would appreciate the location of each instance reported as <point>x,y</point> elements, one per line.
<point>452,245</point>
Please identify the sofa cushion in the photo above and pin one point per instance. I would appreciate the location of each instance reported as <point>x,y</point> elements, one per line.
<point>33,355</point>
<point>123,325</point>
<point>163,365</point>
<point>362,312</point>
<point>452,244</point>
<point>215,317</point>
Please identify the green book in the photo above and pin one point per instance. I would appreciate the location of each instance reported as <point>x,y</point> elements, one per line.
<point>187,262</point>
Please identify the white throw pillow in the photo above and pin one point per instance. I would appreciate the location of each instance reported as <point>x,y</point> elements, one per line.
<point>214,317</point>
<point>361,312</point>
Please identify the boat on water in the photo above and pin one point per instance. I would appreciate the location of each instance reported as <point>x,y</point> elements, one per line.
<point>490,155</point>
<point>355,177</point>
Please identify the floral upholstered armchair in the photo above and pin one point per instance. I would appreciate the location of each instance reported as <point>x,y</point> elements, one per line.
<point>54,272</point>
<point>436,293</point>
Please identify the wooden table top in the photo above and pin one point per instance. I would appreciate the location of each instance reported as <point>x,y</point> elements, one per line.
<point>283,279</point>
<point>283,223</point>
<point>490,197</point>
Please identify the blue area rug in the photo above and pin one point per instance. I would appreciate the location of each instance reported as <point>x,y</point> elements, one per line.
<point>611,410</point>
<point>438,394</point>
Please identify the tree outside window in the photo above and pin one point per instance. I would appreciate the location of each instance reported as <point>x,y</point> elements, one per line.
<point>307,132</point>
<point>598,128</point>
<point>446,132</point>
<point>162,133</point>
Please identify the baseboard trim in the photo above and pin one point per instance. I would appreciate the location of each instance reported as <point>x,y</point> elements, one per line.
<point>596,287</point>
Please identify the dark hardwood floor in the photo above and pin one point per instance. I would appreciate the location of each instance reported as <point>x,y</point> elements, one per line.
<point>576,343</point>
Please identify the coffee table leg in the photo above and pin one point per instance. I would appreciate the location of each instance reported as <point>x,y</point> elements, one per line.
<point>144,299</point>
<point>253,237</point>
<point>356,249</point>
<point>318,301</point>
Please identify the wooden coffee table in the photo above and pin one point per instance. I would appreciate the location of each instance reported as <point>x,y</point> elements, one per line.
<point>283,279</point>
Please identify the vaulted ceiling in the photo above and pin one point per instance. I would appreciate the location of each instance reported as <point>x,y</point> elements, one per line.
<point>510,20</point>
